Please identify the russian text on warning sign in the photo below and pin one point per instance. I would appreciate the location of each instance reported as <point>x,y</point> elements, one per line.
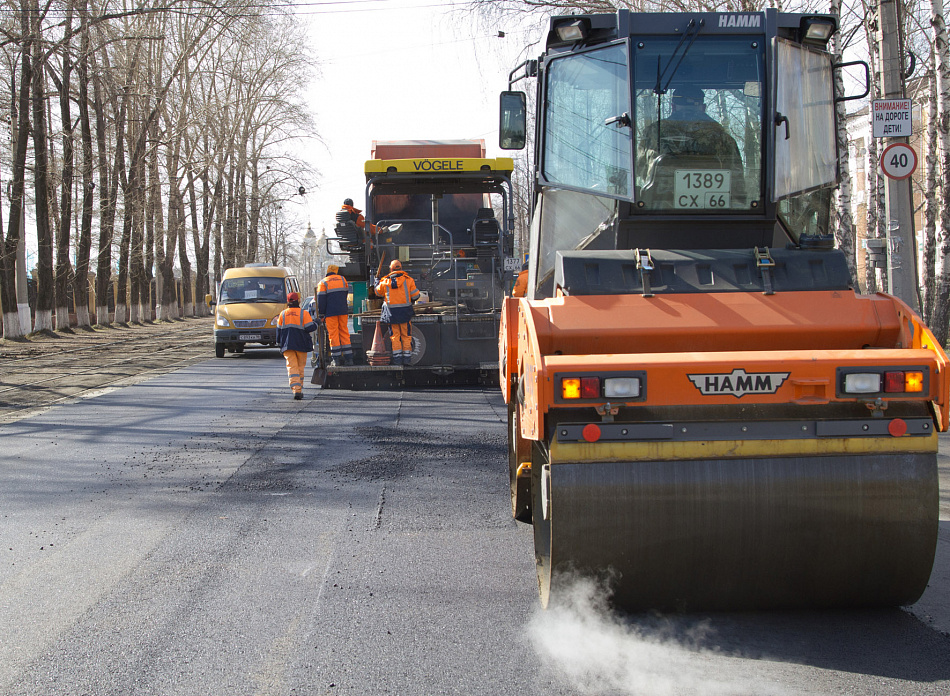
<point>892,118</point>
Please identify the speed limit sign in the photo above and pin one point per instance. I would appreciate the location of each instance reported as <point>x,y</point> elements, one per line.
<point>898,161</point>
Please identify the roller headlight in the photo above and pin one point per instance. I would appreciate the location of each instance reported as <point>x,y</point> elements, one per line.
<point>862,383</point>
<point>621,387</point>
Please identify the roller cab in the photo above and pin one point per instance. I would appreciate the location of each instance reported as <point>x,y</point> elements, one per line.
<point>702,411</point>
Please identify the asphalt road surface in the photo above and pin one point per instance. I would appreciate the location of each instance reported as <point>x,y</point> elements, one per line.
<point>200,532</point>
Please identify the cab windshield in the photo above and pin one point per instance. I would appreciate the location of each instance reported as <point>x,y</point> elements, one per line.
<point>698,124</point>
<point>242,290</point>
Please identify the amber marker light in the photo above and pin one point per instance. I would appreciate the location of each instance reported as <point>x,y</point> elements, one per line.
<point>913,381</point>
<point>571,388</point>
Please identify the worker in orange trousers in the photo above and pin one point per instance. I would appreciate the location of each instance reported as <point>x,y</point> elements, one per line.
<point>293,336</point>
<point>398,291</point>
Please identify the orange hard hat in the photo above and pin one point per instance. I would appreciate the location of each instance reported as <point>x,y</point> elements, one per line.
<point>395,265</point>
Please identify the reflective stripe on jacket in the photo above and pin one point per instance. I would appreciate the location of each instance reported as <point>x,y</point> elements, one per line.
<point>293,330</point>
<point>331,296</point>
<point>398,291</point>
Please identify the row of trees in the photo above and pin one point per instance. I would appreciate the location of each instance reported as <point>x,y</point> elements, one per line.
<point>161,133</point>
<point>924,43</point>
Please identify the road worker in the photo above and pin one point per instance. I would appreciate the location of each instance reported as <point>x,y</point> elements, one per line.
<point>356,215</point>
<point>333,311</point>
<point>293,336</point>
<point>521,282</point>
<point>398,291</point>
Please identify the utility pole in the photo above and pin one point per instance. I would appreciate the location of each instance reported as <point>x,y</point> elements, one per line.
<point>898,198</point>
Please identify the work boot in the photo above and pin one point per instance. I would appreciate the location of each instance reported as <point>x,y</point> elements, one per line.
<point>334,362</point>
<point>298,396</point>
<point>348,359</point>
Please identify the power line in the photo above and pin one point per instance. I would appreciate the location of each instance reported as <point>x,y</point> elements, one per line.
<point>262,8</point>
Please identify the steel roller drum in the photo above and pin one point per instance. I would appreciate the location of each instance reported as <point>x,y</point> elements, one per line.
<point>728,534</point>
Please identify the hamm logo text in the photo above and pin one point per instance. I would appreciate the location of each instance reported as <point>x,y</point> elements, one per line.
<point>738,383</point>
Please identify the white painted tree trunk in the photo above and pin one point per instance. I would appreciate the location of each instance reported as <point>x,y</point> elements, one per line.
<point>11,325</point>
<point>82,316</point>
<point>62,318</point>
<point>43,320</point>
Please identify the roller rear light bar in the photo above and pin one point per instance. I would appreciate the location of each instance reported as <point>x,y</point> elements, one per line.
<point>597,387</point>
<point>851,382</point>
<point>883,381</point>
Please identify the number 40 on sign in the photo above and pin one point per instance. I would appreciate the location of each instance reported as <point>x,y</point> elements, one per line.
<point>898,161</point>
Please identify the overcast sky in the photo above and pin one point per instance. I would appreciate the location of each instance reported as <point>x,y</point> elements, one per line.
<point>400,70</point>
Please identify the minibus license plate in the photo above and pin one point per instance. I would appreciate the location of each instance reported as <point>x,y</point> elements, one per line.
<point>249,337</point>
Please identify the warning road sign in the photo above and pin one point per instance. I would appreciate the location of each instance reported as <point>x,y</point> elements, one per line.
<point>898,161</point>
<point>892,118</point>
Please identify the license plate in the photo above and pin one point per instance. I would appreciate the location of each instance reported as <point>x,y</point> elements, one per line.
<point>249,337</point>
<point>702,188</point>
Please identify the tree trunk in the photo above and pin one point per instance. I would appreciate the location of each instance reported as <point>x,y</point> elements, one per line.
<point>64,269</point>
<point>169,298</point>
<point>155,222</point>
<point>872,275</point>
<point>931,192</point>
<point>43,320</point>
<point>21,114</point>
<point>941,297</point>
<point>201,238</point>
<point>844,225</point>
<point>108,196</point>
<point>135,202</point>
<point>81,282</point>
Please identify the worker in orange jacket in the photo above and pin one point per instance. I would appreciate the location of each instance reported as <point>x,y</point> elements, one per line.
<point>333,309</point>
<point>398,291</point>
<point>521,282</point>
<point>356,215</point>
<point>293,336</point>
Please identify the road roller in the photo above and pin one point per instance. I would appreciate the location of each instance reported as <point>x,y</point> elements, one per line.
<point>704,413</point>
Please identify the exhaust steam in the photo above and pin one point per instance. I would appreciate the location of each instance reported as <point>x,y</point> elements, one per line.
<point>600,652</point>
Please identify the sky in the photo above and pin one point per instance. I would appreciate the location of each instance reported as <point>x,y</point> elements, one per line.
<point>400,70</point>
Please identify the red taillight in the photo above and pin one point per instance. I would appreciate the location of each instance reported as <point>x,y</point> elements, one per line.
<point>590,387</point>
<point>893,381</point>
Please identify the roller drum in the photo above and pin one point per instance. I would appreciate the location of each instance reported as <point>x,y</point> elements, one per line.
<point>720,534</point>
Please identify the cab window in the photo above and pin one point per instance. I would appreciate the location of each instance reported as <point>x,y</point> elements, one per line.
<point>581,150</point>
<point>698,124</point>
